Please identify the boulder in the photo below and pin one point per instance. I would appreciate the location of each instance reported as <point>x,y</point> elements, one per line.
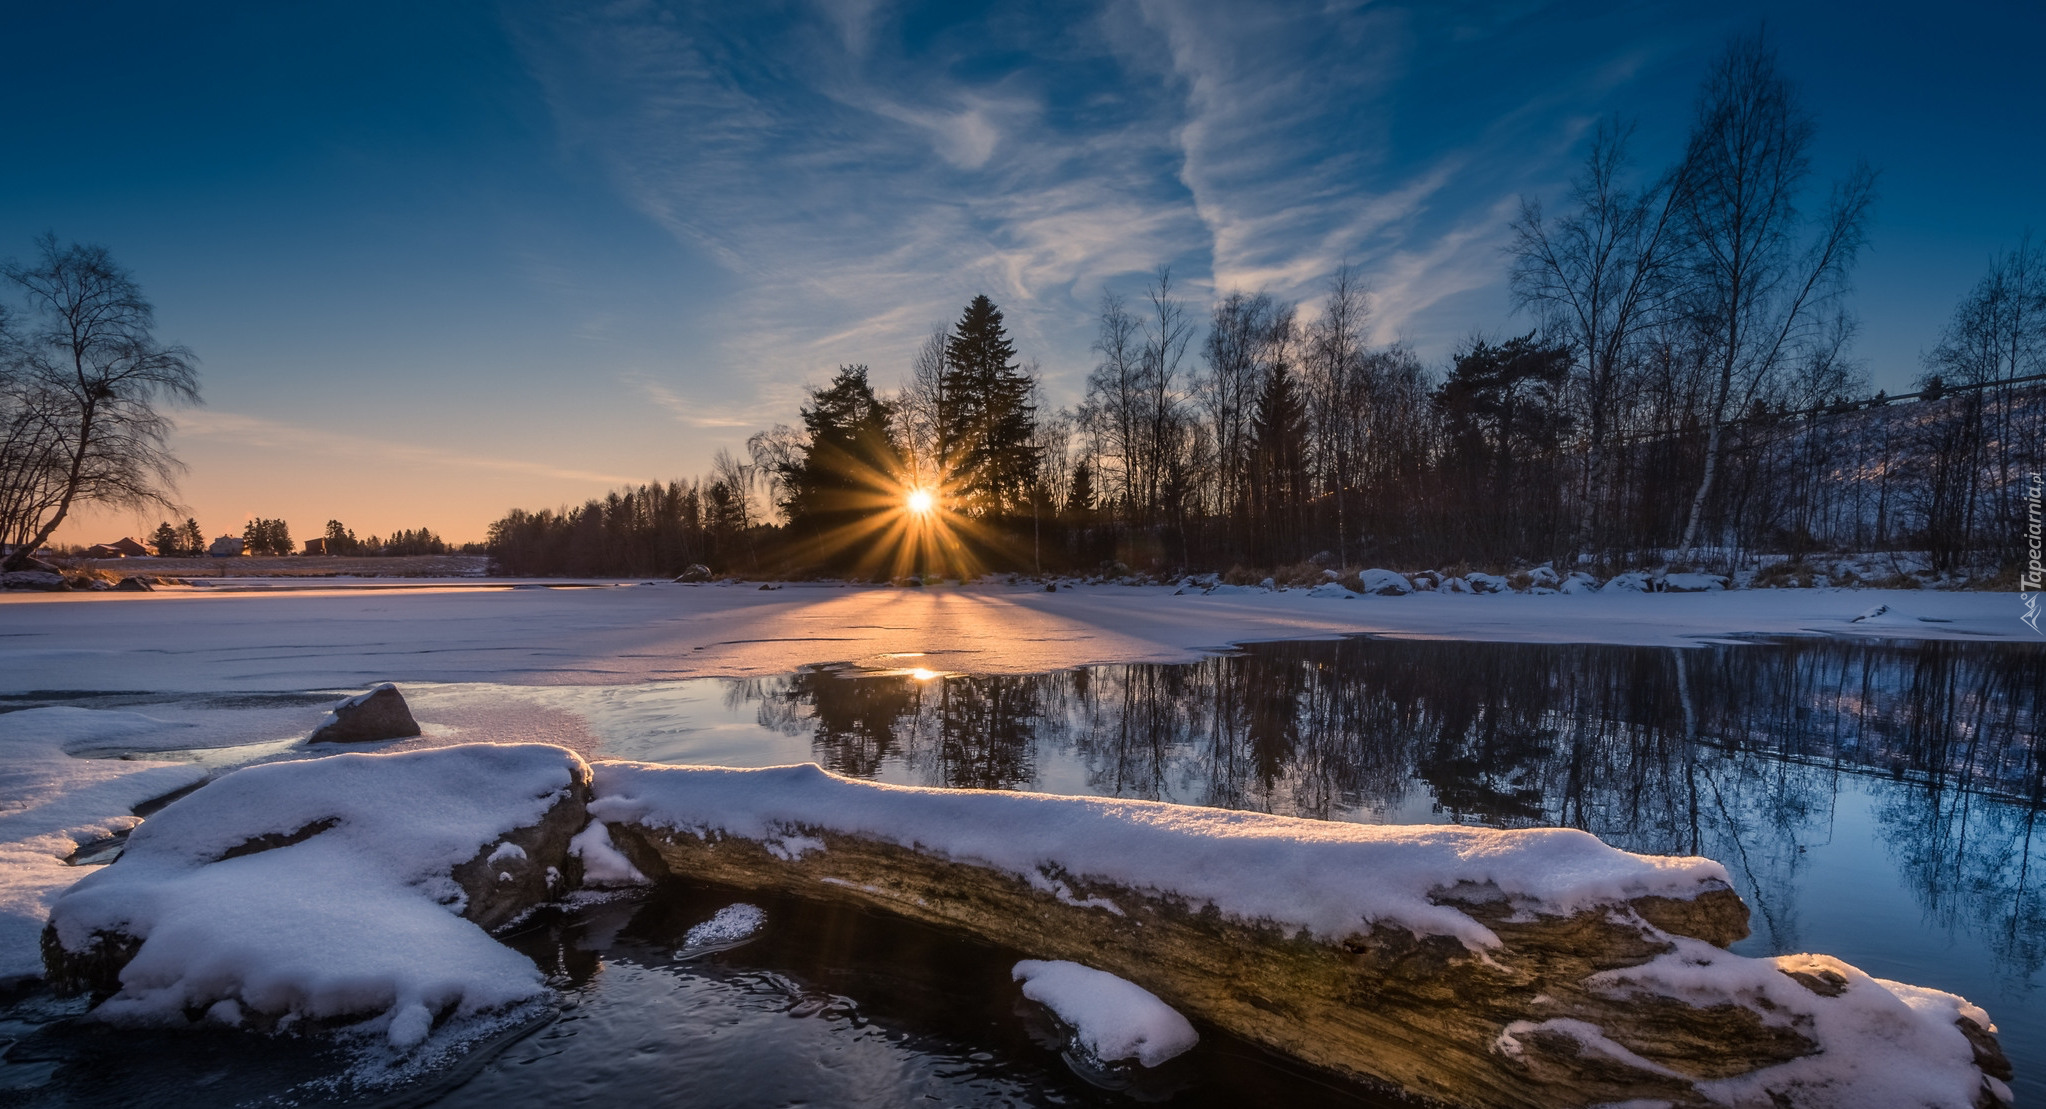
<point>354,888</point>
<point>132,584</point>
<point>1383,583</point>
<point>46,580</point>
<point>1693,583</point>
<point>696,572</point>
<point>378,714</point>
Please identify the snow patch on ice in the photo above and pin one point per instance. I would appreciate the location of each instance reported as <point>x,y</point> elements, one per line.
<point>1111,1017</point>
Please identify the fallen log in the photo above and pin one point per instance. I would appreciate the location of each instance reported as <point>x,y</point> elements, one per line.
<point>1471,967</point>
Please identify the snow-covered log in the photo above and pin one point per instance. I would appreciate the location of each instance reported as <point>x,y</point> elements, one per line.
<point>345,889</point>
<point>1475,967</point>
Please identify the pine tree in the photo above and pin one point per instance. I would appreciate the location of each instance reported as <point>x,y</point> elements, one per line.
<point>850,467</point>
<point>986,420</point>
<point>165,540</point>
<point>1080,501</point>
<point>191,539</point>
<point>1278,472</point>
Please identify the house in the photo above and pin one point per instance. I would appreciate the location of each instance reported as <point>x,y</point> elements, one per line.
<point>119,548</point>
<point>316,546</point>
<point>227,546</point>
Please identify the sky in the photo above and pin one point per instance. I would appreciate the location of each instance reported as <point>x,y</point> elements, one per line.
<point>441,260</point>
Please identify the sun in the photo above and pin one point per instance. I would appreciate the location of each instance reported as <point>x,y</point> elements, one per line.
<point>920,502</point>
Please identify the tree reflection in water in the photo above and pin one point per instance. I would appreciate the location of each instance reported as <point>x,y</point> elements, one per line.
<point>1739,752</point>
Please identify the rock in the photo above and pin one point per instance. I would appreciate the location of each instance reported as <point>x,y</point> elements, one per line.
<point>132,584</point>
<point>1693,583</point>
<point>1051,587</point>
<point>46,580</point>
<point>378,714</point>
<point>1384,583</point>
<point>271,887</point>
<point>1488,583</point>
<point>696,572</point>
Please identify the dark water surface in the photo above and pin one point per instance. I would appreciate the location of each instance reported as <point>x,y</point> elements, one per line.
<point>1875,801</point>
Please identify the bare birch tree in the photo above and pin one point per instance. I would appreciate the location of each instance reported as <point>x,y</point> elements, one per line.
<point>1756,288</point>
<point>80,386</point>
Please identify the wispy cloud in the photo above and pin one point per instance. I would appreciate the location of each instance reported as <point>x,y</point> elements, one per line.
<point>859,171</point>
<point>261,432</point>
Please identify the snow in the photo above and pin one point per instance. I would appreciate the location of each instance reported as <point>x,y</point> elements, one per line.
<point>1693,583</point>
<point>53,802</point>
<point>1331,590</point>
<point>604,866</point>
<point>356,920</point>
<point>1883,1043</point>
<point>1331,879</point>
<point>174,640</point>
<point>1384,583</point>
<point>1112,1018</point>
<point>728,927</point>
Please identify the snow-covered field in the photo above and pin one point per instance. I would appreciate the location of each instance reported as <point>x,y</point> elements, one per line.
<point>345,638</point>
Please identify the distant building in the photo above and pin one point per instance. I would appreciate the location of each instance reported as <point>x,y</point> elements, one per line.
<point>227,546</point>
<point>316,546</point>
<point>119,548</point>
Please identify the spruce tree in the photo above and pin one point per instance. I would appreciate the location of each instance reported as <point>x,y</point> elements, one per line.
<point>986,421</point>
<point>1278,473</point>
<point>165,540</point>
<point>850,470</point>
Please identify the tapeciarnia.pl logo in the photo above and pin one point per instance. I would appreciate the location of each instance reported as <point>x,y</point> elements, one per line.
<point>2035,573</point>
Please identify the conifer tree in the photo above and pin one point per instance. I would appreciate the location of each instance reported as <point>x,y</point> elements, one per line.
<point>986,421</point>
<point>1278,472</point>
<point>850,468</point>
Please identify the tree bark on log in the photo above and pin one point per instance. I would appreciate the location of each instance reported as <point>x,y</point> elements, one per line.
<point>1422,1014</point>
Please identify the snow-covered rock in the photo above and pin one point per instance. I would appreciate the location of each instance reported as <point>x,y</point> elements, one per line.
<point>380,713</point>
<point>1693,583</point>
<point>352,888</point>
<point>1578,582</point>
<point>1454,585</point>
<point>1488,583</point>
<point>1633,581</point>
<point>1384,583</point>
<point>45,580</point>
<point>1544,577</point>
<point>1331,590</point>
<point>1112,1018</point>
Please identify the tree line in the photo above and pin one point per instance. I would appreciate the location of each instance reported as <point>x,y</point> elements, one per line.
<point>1682,388</point>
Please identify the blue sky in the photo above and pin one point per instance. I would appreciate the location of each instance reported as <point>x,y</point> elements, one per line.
<point>442,259</point>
